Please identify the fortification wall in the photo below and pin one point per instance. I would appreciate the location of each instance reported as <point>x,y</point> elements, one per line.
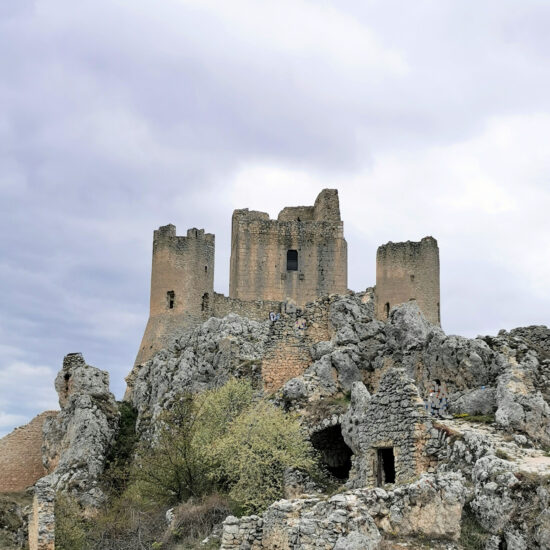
<point>258,310</point>
<point>290,339</point>
<point>408,271</point>
<point>182,286</point>
<point>21,455</point>
<point>259,247</point>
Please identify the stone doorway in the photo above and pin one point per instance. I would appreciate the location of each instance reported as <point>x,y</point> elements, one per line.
<point>385,466</point>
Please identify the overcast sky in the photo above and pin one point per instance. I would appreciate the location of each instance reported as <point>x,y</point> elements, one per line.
<point>431,117</point>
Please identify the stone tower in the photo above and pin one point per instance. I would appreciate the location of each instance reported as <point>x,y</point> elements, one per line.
<point>408,271</point>
<point>299,256</point>
<point>182,286</point>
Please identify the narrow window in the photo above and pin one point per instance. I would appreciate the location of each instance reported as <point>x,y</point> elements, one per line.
<point>205,302</point>
<point>438,313</point>
<point>412,278</point>
<point>171,299</point>
<point>206,269</point>
<point>292,260</point>
<point>387,309</point>
<point>385,471</point>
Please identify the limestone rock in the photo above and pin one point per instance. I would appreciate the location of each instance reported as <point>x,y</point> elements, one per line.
<point>77,440</point>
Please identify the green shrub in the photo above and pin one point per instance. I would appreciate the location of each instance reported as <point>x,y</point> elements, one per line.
<point>194,520</point>
<point>252,457</point>
<point>180,464</point>
<point>71,529</point>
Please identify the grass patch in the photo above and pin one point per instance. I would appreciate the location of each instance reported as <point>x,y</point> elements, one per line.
<point>481,418</point>
<point>323,408</point>
<point>501,453</point>
<point>472,535</point>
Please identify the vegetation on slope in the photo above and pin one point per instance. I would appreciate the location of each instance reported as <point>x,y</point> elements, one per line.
<point>223,451</point>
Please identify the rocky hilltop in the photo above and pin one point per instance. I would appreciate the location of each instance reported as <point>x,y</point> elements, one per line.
<point>424,434</point>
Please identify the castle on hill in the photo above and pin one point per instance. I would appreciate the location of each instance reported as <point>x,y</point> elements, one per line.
<point>297,258</point>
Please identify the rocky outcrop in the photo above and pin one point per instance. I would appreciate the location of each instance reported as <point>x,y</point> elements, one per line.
<point>202,358</point>
<point>78,439</point>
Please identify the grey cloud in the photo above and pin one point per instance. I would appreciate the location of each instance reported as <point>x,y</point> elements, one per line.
<point>119,117</point>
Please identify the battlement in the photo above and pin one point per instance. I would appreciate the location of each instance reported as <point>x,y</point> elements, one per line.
<point>299,257</point>
<point>166,236</point>
<point>407,249</point>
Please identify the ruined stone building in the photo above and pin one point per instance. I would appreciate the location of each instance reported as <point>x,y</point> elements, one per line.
<point>408,271</point>
<point>295,259</point>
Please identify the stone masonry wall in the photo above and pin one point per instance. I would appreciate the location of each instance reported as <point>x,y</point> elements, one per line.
<point>393,417</point>
<point>42,521</point>
<point>259,249</point>
<point>258,310</point>
<point>21,455</point>
<point>184,266</point>
<point>406,271</point>
<point>290,339</point>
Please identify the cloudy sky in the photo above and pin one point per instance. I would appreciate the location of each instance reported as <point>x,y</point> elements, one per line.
<point>431,118</point>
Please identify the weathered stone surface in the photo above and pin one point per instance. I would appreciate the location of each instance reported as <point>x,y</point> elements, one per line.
<point>431,507</point>
<point>394,417</point>
<point>78,439</point>
<point>42,522</point>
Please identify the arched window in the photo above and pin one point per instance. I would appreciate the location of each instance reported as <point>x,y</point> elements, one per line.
<point>292,260</point>
<point>387,309</point>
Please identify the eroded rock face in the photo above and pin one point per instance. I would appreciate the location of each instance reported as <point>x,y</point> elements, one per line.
<point>78,439</point>
<point>202,358</point>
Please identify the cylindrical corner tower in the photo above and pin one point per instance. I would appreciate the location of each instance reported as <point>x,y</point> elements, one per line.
<point>182,286</point>
<point>408,271</point>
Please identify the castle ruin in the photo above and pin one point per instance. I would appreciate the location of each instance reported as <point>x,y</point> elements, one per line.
<point>295,259</point>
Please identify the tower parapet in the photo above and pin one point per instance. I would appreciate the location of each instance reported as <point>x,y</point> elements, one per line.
<point>408,271</point>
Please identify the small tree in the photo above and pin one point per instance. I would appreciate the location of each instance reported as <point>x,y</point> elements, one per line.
<point>180,462</point>
<point>173,469</point>
<point>257,448</point>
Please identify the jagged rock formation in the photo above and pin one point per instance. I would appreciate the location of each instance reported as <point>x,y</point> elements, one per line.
<point>387,369</point>
<point>77,440</point>
<point>360,390</point>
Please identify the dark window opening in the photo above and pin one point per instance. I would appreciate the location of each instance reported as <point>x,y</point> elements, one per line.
<point>205,302</point>
<point>171,299</point>
<point>335,454</point>
<point>387,309</point>
<point>438,313</point>
<point>292,260</point>
<point>206,269</point>
<point>385,470</point>
<point>412,278</point>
